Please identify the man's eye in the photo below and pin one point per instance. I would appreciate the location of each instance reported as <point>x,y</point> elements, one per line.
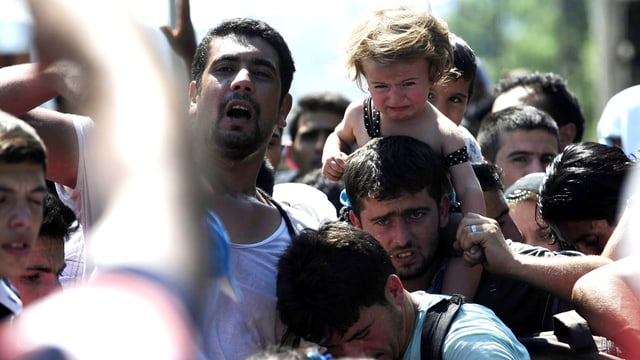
<point>430,96</point>
<point>416,215</point>
<point>519,159</point>
<point>31,277</point>
<point>224,69</point>
<point>382,222</point>
<point>455,99</point>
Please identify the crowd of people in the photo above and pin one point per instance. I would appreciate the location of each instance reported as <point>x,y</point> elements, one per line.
<point>154,216</point>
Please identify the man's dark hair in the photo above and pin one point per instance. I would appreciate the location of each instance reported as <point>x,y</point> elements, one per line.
<point>327,101</point>
<point>19,143</point>
<point>584,182</point>
<point>464,60</point>
<point>248,28</point>
<point>56,218</point>
<point>330,188</point>
<point>326,277</point>
<point>388,167</point>
<point>489,176</point>
<point>523,117</point>
<point>558,101</point>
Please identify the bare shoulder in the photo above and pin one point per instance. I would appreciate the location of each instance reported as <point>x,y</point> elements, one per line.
<point>353,122</point>
<point>450,135</point>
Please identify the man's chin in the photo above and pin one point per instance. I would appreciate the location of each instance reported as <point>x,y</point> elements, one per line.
<point>410,273</point>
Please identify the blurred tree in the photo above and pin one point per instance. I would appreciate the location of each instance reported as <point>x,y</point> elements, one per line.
<point>537,35</point>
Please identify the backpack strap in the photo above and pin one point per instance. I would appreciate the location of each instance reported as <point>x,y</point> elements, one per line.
<point>436,325</point>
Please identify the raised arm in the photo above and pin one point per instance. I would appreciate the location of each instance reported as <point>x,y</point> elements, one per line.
<point>338,145</point>
<point>182,38</point>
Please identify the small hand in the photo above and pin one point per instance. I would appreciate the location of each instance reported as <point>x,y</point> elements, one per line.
<point>333,167</point>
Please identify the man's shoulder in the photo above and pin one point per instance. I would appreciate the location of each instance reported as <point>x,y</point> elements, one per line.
<point>305,203</point>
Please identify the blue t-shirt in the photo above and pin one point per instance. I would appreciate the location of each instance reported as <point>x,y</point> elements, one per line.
<point>475,333</point>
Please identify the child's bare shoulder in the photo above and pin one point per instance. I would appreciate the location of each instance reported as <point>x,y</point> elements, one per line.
<point>354,120</point>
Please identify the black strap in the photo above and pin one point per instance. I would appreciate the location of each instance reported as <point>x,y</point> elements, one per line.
<point>371,118</point>
<point>289,339</point>
<point>437,322</point>
<point>285,216</point>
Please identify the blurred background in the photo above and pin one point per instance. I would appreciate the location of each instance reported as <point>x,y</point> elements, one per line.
<point>593,44</point>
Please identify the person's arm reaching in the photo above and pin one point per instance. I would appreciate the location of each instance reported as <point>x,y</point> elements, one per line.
<point>556,274</point>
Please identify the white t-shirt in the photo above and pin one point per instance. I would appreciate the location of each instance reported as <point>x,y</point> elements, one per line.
<point>78,200</point>
<point>620,119</point>
<point>236,330</point>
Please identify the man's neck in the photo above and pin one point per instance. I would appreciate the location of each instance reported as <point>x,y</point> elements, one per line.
<point>234,177</point>
<point>424,281</point>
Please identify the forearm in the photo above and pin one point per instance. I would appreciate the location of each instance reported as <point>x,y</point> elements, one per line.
<point>23,87</point>
<point>606,299</point>
<point>556,275</point>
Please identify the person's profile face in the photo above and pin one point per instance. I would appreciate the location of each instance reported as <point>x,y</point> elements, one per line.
<point>587,236</point>
<point>22,191</point>
<point>497,209</point>
<point>375,335</point>
<point>41,275</point>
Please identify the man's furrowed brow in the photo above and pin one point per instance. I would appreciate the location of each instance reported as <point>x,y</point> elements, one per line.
<point>358,334</point>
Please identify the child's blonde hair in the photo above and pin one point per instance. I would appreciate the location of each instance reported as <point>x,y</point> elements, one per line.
<point>397,35</point>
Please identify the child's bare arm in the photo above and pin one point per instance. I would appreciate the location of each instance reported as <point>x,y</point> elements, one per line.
<point>463,178</point>
<point>461,279</point>
<point>338,144</point>
<point>468,188</point>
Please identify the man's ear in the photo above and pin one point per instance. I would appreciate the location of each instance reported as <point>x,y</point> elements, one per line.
<point>354,219</point>
<point>285,108</point>
<point>193,92</point>
<point>394,290</point>
<point>567,134</point>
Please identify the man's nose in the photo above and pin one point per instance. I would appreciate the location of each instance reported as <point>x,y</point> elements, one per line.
<point>242,81</point>
<point>22,214</point>
<point>402,234</point>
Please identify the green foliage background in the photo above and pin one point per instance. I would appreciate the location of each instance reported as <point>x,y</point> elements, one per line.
<point>537,35</point>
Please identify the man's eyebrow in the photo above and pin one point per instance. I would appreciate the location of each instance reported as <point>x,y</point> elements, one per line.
<point>40,268</point>
<point>359,333</point>
<point>383,216</point>
<point>265,62</point>
<point>416,209</point>
<point>519,152</point>
<point>39,188</point>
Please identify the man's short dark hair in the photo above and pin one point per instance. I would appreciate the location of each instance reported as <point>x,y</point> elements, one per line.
<point>559,101</point>
<point>522,117</point>
<point>248,28</point>
<point>19,143</point>
<point>326,276</point>
<point>388,167</point>
<point>584,182</point>
<point>489,176</point>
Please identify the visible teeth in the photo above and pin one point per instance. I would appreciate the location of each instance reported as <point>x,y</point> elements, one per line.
<point>404,255</point>
<point>238,107</point>
<point>17,246</point>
